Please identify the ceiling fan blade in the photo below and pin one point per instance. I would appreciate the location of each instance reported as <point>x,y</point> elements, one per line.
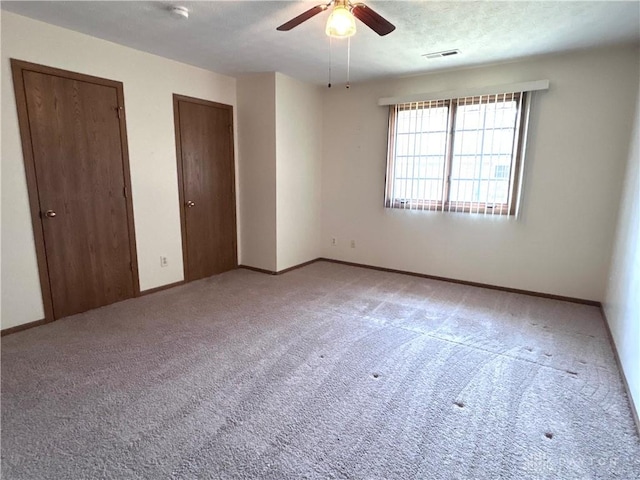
<point>303,17</point>
<point>372,20</point>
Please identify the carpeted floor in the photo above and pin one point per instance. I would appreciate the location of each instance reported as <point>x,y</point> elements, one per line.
<point>328,371</point>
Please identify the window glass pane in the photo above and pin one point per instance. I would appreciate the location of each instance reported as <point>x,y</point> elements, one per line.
<point>498,140</point>
<point>476,172</point>
<point>421,142</point>
<point>482,152</point>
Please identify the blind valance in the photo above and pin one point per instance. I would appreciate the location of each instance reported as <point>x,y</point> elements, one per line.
<point>467,92</point>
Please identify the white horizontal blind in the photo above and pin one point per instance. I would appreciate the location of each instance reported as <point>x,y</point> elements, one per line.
<point>457,155</point>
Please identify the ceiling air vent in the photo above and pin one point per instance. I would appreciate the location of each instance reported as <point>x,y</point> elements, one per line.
<point>446,53</point>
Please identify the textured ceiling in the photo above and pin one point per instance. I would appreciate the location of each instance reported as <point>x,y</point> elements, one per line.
<point>236,37</point>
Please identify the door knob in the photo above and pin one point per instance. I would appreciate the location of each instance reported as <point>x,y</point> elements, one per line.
<point>49,214</point>
<point>189,204</point>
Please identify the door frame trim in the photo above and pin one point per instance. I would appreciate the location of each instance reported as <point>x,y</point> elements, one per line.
<point>178,139</point>
<point>18,67</point>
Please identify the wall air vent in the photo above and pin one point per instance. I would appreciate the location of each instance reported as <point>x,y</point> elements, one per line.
<point>446,53</point>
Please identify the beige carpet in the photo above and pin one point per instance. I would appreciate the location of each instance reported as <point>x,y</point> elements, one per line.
<point>328,371</point>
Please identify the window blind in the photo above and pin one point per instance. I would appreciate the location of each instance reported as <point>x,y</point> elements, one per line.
<point>457,155</point>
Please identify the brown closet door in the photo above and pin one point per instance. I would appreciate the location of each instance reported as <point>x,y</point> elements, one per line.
<point>78,157</point>
<point>204,135</point>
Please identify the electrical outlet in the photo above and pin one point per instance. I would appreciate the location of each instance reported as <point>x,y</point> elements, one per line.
<point>353,244</point>
<point>164,262</point>
<point>334,241</point>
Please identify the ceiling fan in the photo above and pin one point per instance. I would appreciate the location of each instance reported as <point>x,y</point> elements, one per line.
<point>341,22</point>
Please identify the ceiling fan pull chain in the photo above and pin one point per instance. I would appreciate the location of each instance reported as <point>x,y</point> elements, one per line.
<point>329,85</point>
<point>348,61</point>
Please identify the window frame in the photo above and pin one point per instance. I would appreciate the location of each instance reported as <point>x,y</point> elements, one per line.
<point>444,204</point>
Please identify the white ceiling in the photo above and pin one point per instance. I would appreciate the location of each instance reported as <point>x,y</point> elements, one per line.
<point>236,37</point>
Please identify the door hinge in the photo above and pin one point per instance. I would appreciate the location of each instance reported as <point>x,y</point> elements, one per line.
<point>119,111</point>
<point>124,192</point>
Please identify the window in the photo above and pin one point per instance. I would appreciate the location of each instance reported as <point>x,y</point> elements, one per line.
<point>460,155</point>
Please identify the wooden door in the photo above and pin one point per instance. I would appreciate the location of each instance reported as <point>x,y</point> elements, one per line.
<point>75,130</point>
<point>204,144</point>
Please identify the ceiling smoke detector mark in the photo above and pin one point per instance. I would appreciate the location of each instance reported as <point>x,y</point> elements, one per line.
<point>445,53</point>
<point>179,12</point>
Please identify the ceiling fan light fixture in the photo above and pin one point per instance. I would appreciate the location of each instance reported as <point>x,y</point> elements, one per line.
<point>341,23</point>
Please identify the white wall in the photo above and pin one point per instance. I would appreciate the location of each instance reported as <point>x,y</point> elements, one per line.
<point>578,145</point>
<point>299,160</point>
<point>149,82</point>
<point>280,152</point>
<point>257,169</point>
<point>622,303</point>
